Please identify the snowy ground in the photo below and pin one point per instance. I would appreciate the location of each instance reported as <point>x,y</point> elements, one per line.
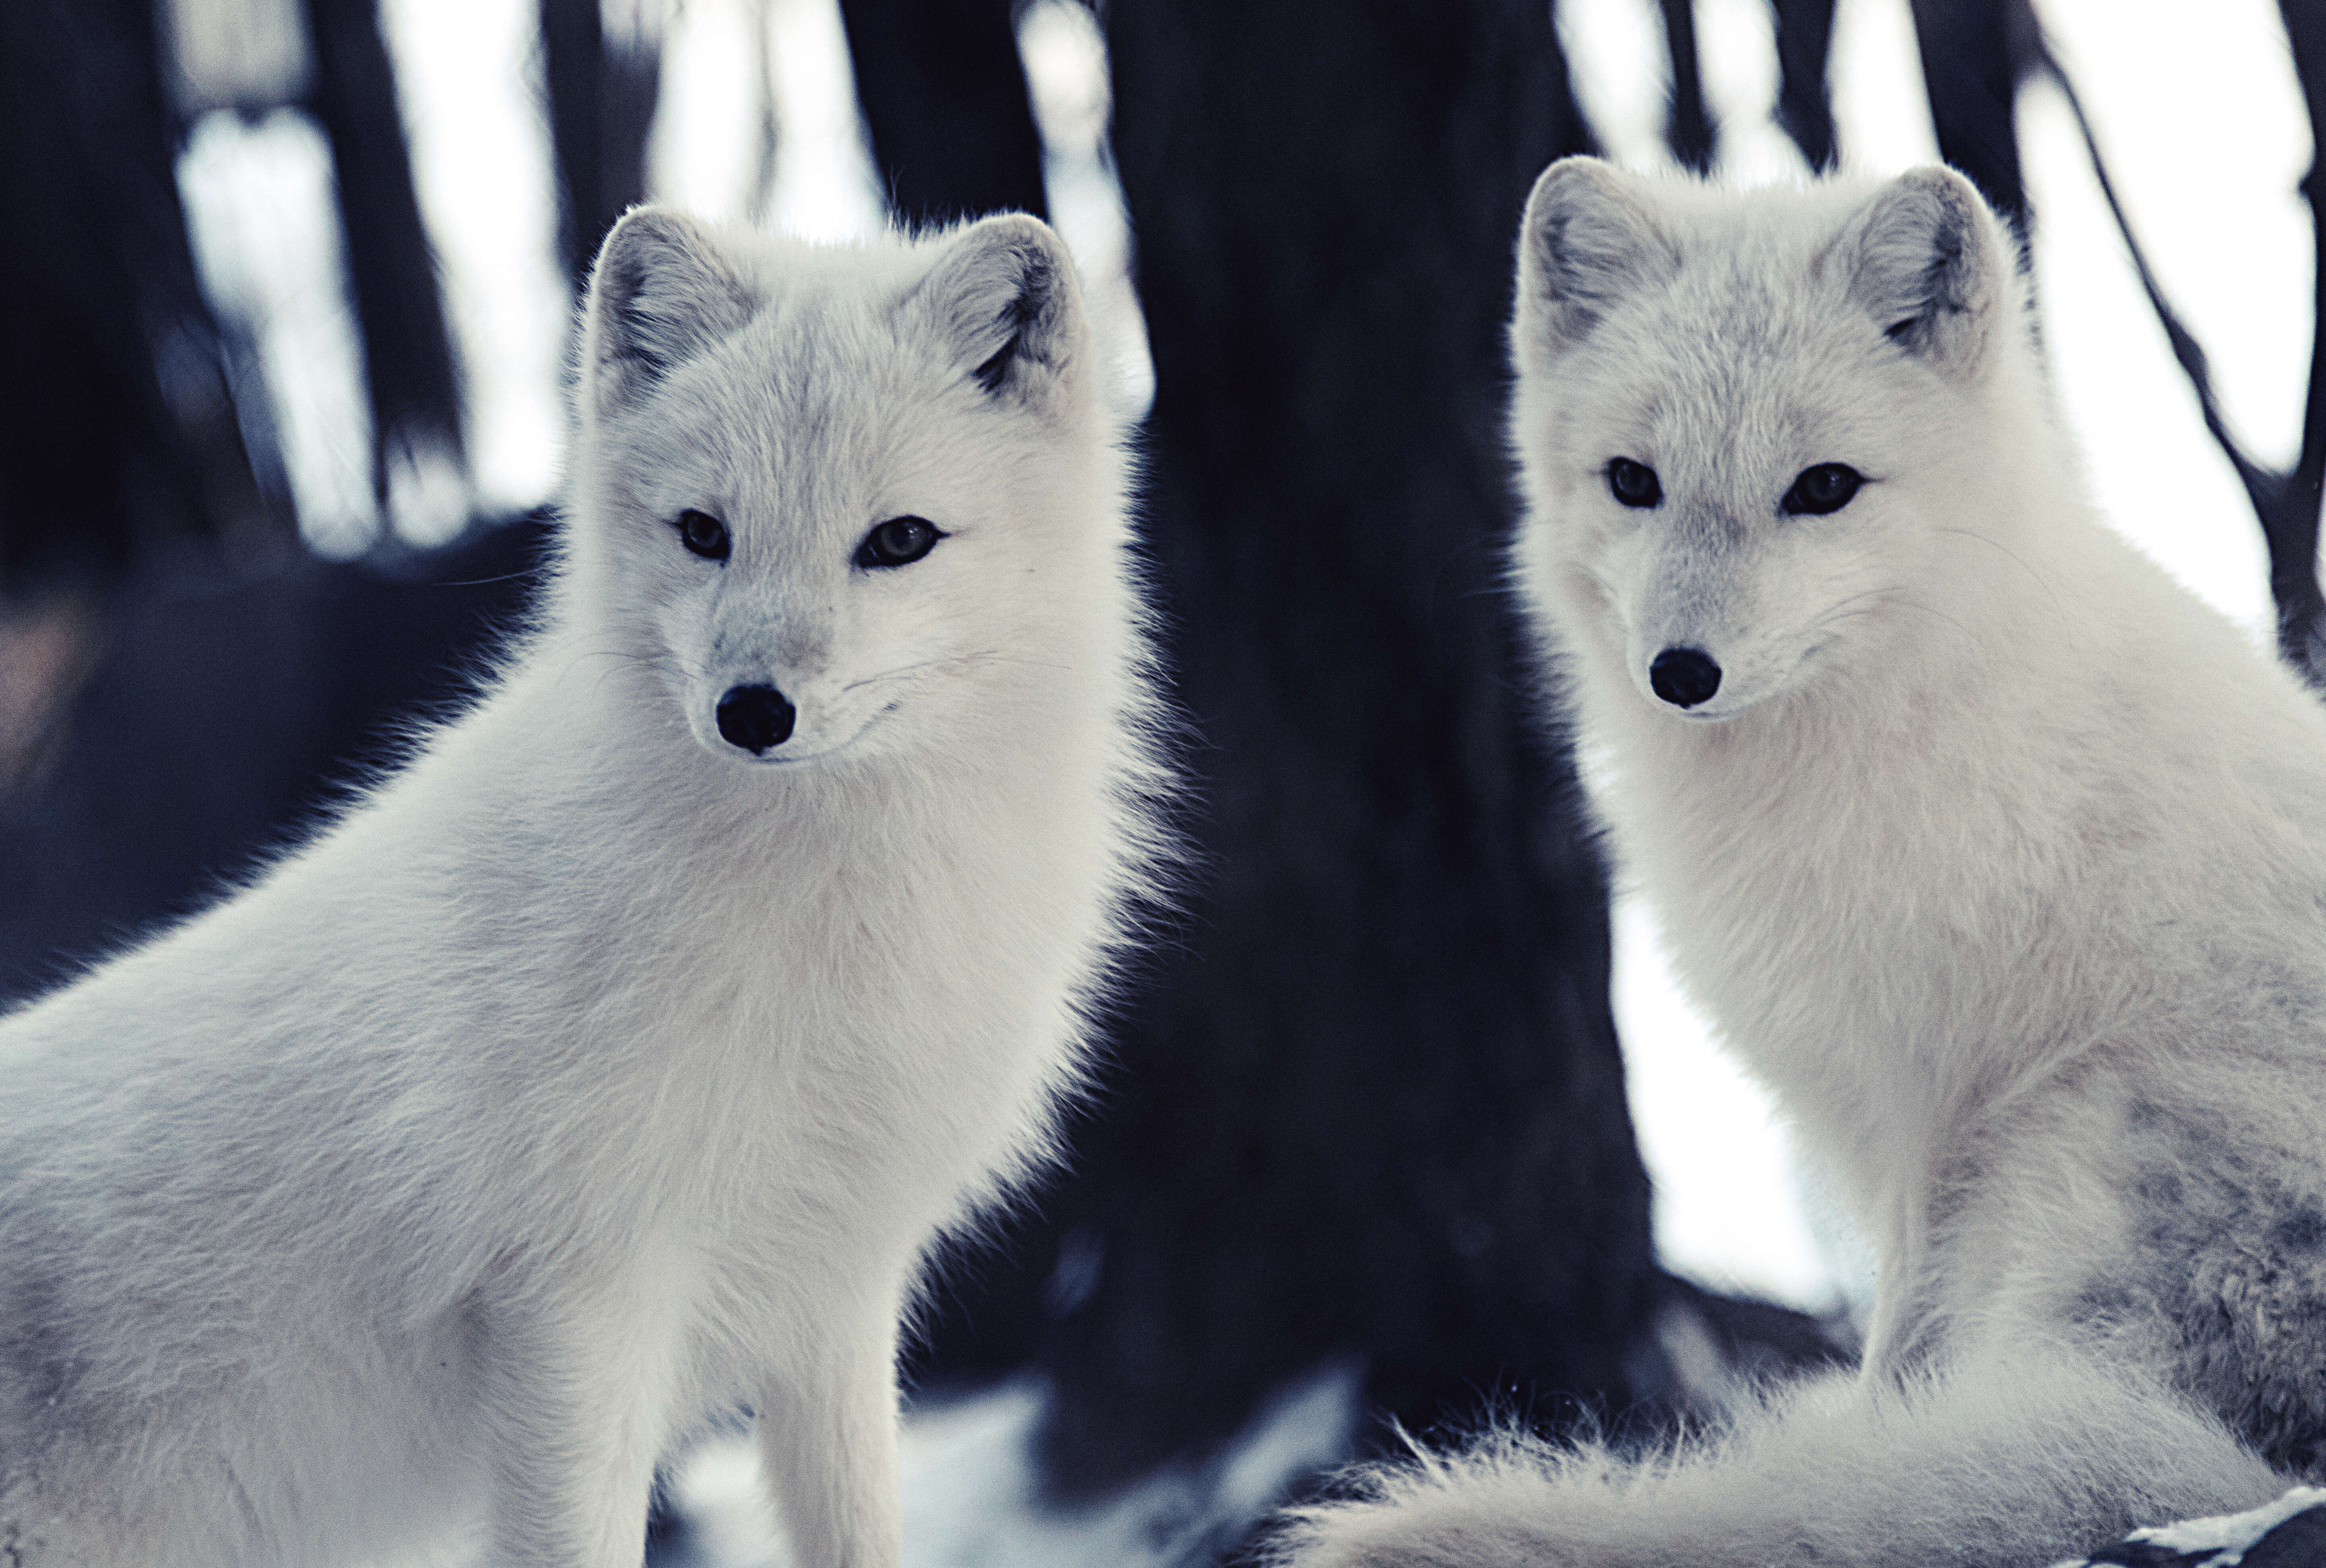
<point>2289,1533</point>
<point>971,1499</point>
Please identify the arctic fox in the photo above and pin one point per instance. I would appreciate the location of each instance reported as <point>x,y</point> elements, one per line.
<point>616,1064</point>
<point>1998,856</point>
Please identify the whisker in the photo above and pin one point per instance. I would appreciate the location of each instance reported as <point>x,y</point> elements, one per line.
<point>1840,611</point>
<point>953,660</point>
<point>1941,614</point>
<point>2041,579</point>
<point>899,670</point>
<point>658,663</point>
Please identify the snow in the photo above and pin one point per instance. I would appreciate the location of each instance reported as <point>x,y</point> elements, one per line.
<point>265,234</point>
<point>971,1497</point>
<point>1693,1107</point>
<point>736,72</point>
<point>468,76</point>
<point>2228,1535</point>
<point>2232,1532</point>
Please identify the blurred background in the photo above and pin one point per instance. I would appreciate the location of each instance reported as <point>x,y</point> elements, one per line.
<point>1406,1123</point>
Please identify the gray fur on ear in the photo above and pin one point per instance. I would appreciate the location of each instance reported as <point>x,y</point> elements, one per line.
<point>659,296</point>
<point>1005,295</point>
<point>1931,267</point>
<point>1588,238</point>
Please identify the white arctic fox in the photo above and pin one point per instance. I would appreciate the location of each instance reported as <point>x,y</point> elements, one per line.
<point>616,1061</point>
<point>1996,855</point>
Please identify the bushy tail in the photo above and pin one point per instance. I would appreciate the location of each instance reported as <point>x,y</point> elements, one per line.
<point>2005,1464</point>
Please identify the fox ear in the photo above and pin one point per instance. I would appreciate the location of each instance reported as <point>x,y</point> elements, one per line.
<point>1931,268</point>
<point>659,296</point>
<point>1005,300</point>
<point>1587,239</point>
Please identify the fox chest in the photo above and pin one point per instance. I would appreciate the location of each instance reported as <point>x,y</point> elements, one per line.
<point>1852,949</point>
<point>864,1072</point>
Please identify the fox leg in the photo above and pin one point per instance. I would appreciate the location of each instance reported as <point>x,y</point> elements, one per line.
<point>570,1438</point>
<point>2006,1464</point>
<point>828,1444</point>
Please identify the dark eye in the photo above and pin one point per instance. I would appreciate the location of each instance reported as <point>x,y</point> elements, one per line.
<point>1825,487</point>
<point>1634,483</point>
<point>704,534</point>
<point>898,542</point>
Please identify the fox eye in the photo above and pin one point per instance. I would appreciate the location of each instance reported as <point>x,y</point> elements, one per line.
<point>704,534</point>
<point>898,542</point>
<point>1634,484</point>
<point>1825,487</point>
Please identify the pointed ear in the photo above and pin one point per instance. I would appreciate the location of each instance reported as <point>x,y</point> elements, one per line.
<point>660,294</point>
<point>1005,300</point>
<point>1932,268</point>
<point>1590,236</point>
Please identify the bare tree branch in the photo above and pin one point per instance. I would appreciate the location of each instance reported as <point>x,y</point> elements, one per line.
<point>2292,527</point>
<point>2286,502</point>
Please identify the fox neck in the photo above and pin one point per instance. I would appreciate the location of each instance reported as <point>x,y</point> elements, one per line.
<point>1837,868</point>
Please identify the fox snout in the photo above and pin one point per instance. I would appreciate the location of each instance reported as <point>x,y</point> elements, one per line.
<point>774,712</point>
<point>757,718</point>
<point>1684,677</point>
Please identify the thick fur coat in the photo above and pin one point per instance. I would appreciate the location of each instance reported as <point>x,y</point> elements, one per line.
<point>618,1060</point>
<point>1996,854</point>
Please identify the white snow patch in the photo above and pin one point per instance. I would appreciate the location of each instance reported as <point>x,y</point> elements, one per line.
<point>2232,1533</point>
<point>468,77</point>
<point>973,1499</point>
<point>1731,1209</point>
<point>1621,76</point>
<point>1881,111</point>
<point>2229,1536</point>
<point>265,226</point>
<point>1067,82</point>
<point>758,120</point>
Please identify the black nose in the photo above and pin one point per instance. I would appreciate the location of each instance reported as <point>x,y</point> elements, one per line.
<point>1684,677</point>
<point>755,718</point>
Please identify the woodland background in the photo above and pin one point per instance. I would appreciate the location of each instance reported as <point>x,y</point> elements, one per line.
<point>292,281</point>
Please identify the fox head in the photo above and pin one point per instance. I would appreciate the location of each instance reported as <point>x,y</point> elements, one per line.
<point>820,489</point>
<point>1748,424</point>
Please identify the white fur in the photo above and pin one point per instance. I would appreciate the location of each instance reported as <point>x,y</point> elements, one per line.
<point>593,1076</point>
<point>1998,856</point>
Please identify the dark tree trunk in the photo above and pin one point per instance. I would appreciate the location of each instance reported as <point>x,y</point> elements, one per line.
<point>1371,1104</point>
<point>1804,106</point>
<point>944,99</point>
<point>391,272</point>
<point>1687,122</point>
<point>602,95</point>
<point>271,694</point>
<point>1975,54</point>
<point>117,424</point>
